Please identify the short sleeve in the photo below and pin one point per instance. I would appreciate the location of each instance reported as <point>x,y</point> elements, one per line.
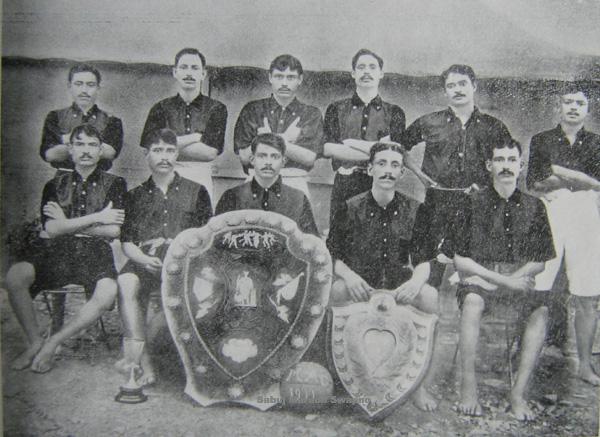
<point>214,133</point>
<point>539,165</point>
<point>113,135</point>
<point>331,127</point>
<point>128,230</point>
<point>203,208</point>
<point>48,195</point>
<point>338,233</point>
<point>306,222</point>
<point>540,245</point>
<point>311,132</point>
<point>117,193</point>
<point>155,120</point>
<point>413,135</point>
<point>397,124</point>
<point>458,239</point>
<point>245,130</point>
<point>51,135</point>
<point>226,203</point>
<point>422,246</point>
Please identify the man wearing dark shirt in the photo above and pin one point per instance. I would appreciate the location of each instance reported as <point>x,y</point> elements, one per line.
<point>500,243</point>
<point>155,212</point>
<point>353,125</point>
<point>83,85</point>
<point>300,125</point>
<point>266,191</point>
<point>564,169</point>
<point>198,120</point>
<point>455,149</point>
<point>80,210</point>
<point>375,243</point>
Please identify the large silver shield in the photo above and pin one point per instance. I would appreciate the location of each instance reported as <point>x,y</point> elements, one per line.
<point>244,297</point>
<point>381,351</point>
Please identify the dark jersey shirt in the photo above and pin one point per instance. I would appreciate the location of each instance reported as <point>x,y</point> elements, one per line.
<point>278,198</point>
<point>552,147</point>
<point>203,115</point>
<point>63,121</point>
<point>150,213</point>
<point>351,118</point>
<point>379,243</point>
<point>455,156</point>
<point>253,114</point>
<point>494,229</point>
<point>79,197</point>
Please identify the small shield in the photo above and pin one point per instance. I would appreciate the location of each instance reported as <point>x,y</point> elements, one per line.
<point>244,297</point>
<point>381,351</point>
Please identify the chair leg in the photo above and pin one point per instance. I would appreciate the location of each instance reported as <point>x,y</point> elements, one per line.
<point>509,345</point>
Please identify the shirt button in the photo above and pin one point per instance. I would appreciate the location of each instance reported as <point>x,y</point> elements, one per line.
<point>187,130</point>
<point>366,115</point>
<point>385,255</point>
<point>74,183</point>
<point>166,198</point>
<point>507,214</point>
<point>166,212</point>
<point>254,196</point>
<point>82,206</point>
<point>395,212</point>
<point>372,214</point>
<point>507,229</point>
<point>187,115</point>
<point>280,121</point>
<point>385,240</point>
<point>94,184</point>
<point>354,107</point>
<point>165,225</point>
<point>364,128</point>
<point>74,115</point>
<point>385,224</point>
<point>265,204</point>
<point>83,192</point>
<point>509,245</point>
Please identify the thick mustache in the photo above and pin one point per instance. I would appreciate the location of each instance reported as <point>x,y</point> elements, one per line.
<point>459,95</point>
<point>86,155</point>
<point>83,95</point>
<point>506,172</point>
<point>367,76</point>
<point>572,113</point>
<point>284,88</point>
<point>165,163</point>
<point>189,78</point>
<point>388,176</point>
<point>267,167</point>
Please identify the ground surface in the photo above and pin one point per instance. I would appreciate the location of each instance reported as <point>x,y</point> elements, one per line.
<point>77,398</point>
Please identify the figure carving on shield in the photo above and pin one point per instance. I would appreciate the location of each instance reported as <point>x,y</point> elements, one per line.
<point>245,294</point>
<point>382,326</point>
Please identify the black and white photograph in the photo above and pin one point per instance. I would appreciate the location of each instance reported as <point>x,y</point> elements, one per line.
<point>300,218</point>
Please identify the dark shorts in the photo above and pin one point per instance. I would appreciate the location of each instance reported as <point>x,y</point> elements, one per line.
<point>149,282</point>
<point>62,261</point>
<point>347,186</point>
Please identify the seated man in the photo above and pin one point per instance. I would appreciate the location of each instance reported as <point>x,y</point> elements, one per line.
<point>81,211</point>
<point>265,191</point>
<point>499,244</point>
<point>373,240</point>
<point>155,212</point>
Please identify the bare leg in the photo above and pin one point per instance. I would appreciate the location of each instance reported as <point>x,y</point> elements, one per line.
<point>19,279</point>
<point>585,330</point>
<point>531,346</point>
<point>469,336</point>
<point>339,294</point>
<point>427,301</point>
<point>101,301</point>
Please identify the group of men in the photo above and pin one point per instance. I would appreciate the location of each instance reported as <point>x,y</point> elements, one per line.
<point>505,244</point>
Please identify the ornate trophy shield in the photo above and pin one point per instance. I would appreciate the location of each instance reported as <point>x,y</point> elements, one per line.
<point>244,297</point>
<point>381,351</point>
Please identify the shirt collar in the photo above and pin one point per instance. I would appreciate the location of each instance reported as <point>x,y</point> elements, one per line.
<point>257,189</point>
<point>475,115</point>
<point>150,185</point>
<point>515,197</point>
<point>197,102</point>
<point>377,102</point>
<point>93,110</point>
<point>373,206</point>
<point>562,136</point>
<point>93,177</point>
<point>274,104</point>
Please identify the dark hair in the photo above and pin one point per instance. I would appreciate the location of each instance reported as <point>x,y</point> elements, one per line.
<point>362,52</point>
<point>282,62</point>
<point>573,88</point>
<point>380,147</point>
<point>268,139</point>
<point>507,144</point>
<point>189,51</point>
<point>458,69</point>
<point>85,129</point>
<point>84,68</point>
<point>165,135</point>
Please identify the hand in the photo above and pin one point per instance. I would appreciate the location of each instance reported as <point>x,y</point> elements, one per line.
<point>551,195</point>
<point>386,139</point>
<point>357,287</point>
<point>521,283</point>
<point>292,132</point>
<point>110,216</point>
<point>66,138</point>
<point>153,264</point>
<point>196,137</point>
<point>407,292</point>
<point>54,211</point>
<point>265,128</point>
<point>472,189</point>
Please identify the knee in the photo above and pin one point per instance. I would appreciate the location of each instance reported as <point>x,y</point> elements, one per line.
<point>105,293</point>
<point>473,304</point>
<point>540,316</point>
<point>586,305</point>
<point>429,298</point>
<point>19,276</point>
<point>128,286</point>
<point>339,295</point>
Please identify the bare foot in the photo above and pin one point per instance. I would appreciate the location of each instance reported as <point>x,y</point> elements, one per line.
<point>469,405</point>
<point>423,400</point>
<point>42,362</point>
<point>520,410</point>
<point>590,377</point>
<point>148,377</point>
<point>24,360</point>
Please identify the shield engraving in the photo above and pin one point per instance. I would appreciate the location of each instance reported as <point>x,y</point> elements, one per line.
<point>244,297</point>
<point>381,351</point>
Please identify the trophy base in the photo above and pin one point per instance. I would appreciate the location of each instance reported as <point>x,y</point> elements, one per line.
<point>131,395</point>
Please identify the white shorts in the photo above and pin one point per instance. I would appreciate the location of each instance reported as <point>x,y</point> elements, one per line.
<point>199,172</point>
<point>575,224</point>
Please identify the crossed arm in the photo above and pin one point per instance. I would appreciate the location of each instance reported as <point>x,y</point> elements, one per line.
<point>520,280</point>
<point>105,223</point>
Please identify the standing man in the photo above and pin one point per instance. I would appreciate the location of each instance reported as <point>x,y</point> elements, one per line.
<point>376,244</point>
<point>564,168</point>
<point>83,85</point>
<point>300,125</point>
<point>499,243</point>
<point>266,191</point>
<point>81,211</point>
<point>198,120</point>
<point>155,212</point>
<point>353,125</point>
<point>456,140</point>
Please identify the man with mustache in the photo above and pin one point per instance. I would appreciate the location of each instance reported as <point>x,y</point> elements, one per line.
<point>300,125</point>
<point>564,169</point>
<point>266,191</point>
<point>82,210</point>
<point>83,85</point>
<point>155,212</point>
<point>456,140</point>
<point>499,244</point>
<point>353,125</point>
<point>376,244</point>
<point>198,120</point>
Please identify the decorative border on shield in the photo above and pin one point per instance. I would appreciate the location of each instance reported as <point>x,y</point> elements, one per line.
<point>190,244</point>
